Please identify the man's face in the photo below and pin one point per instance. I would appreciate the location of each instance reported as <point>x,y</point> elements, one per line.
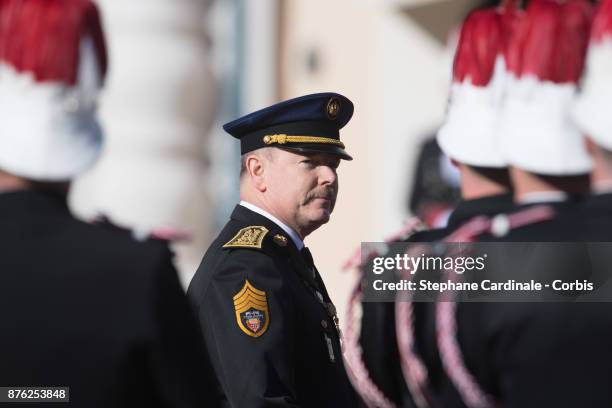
<point>302,189</point>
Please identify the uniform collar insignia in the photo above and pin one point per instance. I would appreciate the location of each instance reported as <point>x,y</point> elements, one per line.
<point>280,240</point>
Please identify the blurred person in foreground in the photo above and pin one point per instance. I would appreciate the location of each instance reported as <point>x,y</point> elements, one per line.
<point>469,136</point>
<point>269,324</point>
<point>81,306</point>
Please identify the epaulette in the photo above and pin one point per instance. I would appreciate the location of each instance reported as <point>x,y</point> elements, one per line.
<point>248,237</point>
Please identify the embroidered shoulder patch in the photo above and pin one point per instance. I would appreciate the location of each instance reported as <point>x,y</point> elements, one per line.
<point>249,237</point>
<point>251,306</point>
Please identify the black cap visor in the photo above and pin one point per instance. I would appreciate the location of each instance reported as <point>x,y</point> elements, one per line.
<point>317,148</point>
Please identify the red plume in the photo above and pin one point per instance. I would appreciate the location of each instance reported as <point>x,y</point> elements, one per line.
<point>43,36</point>
<point>602,23</point>
<point>552,40</point>
<point>509,5</point>
<point>485,35</point>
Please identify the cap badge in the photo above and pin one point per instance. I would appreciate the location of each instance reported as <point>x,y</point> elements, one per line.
<point>333,108</point>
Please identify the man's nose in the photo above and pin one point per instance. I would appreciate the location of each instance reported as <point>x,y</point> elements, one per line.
<point>327,175</point>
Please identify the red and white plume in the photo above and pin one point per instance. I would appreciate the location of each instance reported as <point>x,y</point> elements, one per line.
<point>52,65</point>
<point>470,128</point>
<point>591,109</point>
<point>545,62</point>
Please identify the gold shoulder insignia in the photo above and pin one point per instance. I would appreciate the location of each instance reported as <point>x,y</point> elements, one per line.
<point>251,306</point>
<point>249,237</point>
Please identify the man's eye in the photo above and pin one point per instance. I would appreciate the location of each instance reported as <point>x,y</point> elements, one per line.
<point>332,164</point>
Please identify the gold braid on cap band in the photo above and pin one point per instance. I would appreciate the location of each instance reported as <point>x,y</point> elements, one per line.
<point>282,139</point>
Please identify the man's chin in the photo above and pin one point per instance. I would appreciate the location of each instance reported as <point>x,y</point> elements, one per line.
<point>319,218</point>
<point>322,218</point>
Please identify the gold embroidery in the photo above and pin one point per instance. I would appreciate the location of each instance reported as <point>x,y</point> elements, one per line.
<point>284,139</point>
<point>251,306</point>
<point>249,237</point>
<point>333,108</point>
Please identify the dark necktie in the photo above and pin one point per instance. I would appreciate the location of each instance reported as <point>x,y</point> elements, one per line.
<point>329,306</point>
<point>308,257</point>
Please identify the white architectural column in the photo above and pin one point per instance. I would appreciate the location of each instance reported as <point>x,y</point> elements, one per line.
<point>261,41</point>
<point>158,104</point>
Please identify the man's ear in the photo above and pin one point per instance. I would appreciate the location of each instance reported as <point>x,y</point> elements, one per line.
<point>255,167</point>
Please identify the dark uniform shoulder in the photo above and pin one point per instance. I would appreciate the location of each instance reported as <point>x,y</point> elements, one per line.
<point>103,222</point>
<point>240,253</point>
<point>108,243</point>
<point>430,235</point>
<point>541,222</point>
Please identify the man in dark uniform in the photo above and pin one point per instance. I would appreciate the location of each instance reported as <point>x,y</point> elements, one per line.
<point>81,306</point>
<point>269,324</point>
<point>469,137</point>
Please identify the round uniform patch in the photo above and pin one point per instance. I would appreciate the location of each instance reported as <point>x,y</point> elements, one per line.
<point>251,306</point>
<point>333,108</point>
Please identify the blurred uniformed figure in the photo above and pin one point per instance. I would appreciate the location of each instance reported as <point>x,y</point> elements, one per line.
<point>548,160</point>
<point>81,306</point>
<point>269,324</point>
<point>469,136</point>
<point>535,354</point>
<point>592,116</point>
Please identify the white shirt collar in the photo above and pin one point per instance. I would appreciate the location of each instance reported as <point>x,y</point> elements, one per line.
<point>543,197</point>
<point>294,236</point>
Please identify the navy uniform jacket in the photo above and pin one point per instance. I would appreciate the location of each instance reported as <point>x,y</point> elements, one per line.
<point>378,338</point>
<point>271,338</point>
<point>540,354</point>
<point>88,307</point>
<point>597,218</point>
